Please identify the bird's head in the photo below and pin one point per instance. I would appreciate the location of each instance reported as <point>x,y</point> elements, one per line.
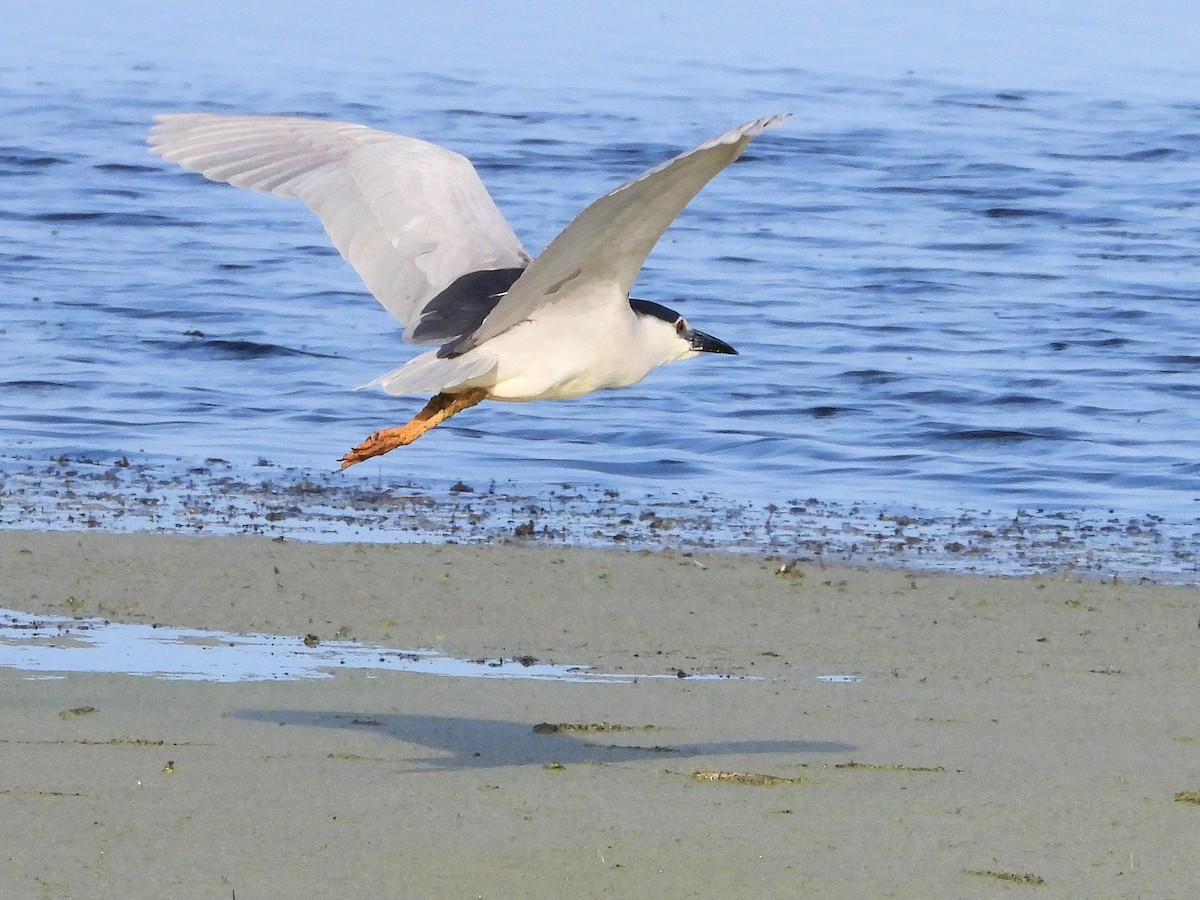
<point>670,333</point>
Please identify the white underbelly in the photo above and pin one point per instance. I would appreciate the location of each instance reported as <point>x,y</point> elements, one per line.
<point>559,357</point>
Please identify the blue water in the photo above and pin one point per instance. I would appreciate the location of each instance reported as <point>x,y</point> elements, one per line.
<point>963,276</point>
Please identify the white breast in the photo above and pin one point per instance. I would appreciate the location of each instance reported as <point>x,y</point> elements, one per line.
<point>571,348</point>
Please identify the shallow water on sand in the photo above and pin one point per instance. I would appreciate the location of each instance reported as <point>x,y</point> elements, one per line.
<point>53,645</point>
<point>957,290</point>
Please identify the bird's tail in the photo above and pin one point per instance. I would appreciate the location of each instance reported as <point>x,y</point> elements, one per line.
<point>431,374</point>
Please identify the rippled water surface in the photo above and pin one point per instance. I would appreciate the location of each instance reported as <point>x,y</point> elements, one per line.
<point>949,290</point>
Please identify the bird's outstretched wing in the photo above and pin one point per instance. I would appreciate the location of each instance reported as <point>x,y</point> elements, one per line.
<point>610,240</point>
<point>409,216</point>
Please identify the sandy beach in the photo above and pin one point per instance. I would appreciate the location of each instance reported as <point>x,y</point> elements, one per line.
<point>1004,736</point>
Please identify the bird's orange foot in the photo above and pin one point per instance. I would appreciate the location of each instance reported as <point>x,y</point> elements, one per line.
<point>379,443</point>
<point>436,411</point>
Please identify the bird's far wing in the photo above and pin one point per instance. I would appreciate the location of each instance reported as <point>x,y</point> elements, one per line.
<point>610,240</point>
<point>409,216</point>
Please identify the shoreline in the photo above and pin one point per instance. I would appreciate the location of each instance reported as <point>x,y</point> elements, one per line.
<point>93,495</point>
<point>1006,732</point>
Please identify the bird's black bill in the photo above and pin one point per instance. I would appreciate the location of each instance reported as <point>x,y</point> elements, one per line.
<point>706,343</point>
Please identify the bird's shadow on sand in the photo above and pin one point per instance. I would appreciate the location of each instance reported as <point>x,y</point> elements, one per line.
<point>465,743</point>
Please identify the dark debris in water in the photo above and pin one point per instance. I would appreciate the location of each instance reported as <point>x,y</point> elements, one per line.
<point>126,495</point>
<point>588,727</point>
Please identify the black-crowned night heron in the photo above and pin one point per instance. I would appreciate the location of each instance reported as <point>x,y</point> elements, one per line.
<point>418,225</point>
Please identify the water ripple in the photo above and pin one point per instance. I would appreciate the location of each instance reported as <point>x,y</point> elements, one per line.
<point>943,295</point>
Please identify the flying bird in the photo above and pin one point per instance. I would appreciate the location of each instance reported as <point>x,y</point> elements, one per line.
<point>419,227</point>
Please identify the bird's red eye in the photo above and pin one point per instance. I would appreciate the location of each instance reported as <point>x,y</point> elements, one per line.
<point>680,326</point>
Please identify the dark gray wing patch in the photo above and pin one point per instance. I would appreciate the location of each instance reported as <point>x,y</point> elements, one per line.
<point>461,307</point>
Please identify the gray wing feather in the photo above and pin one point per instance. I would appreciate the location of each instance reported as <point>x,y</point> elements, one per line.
<point>409,216</point>
<point>611,239</point>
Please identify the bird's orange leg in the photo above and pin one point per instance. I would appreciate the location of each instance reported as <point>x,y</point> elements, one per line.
<point>436,411</point>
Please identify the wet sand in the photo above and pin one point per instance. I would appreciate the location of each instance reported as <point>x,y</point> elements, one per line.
<point>1008,736</point>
